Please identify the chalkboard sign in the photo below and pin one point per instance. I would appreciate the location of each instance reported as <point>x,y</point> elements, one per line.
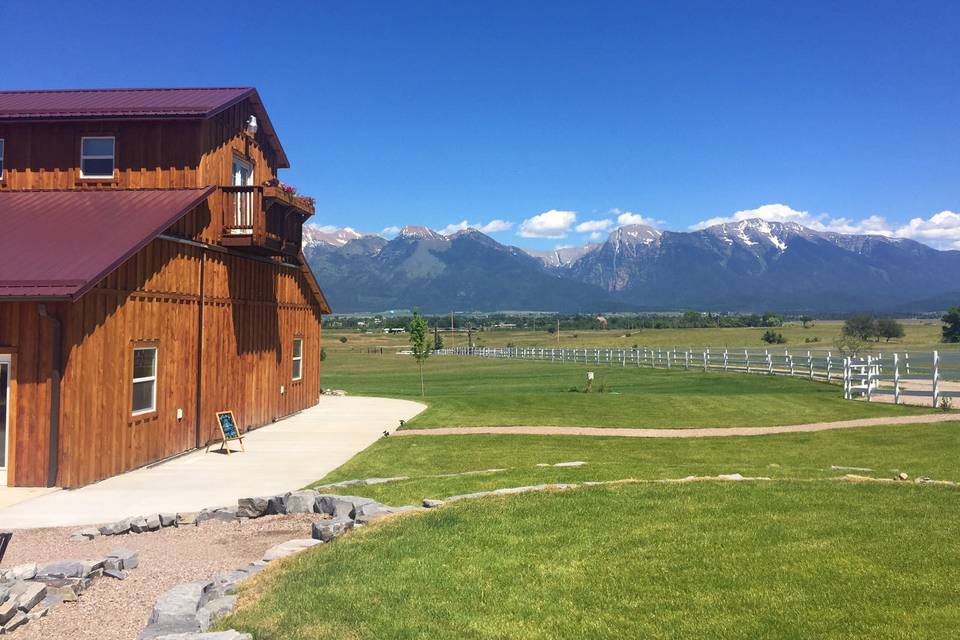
<point>229,430</point>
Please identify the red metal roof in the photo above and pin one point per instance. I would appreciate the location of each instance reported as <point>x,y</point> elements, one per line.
<point>104,104</point>
<point>59,244</point>
<point>126,103</point>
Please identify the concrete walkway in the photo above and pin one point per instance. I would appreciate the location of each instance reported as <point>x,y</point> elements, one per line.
<point>692,432</point>
<point>280,457</point>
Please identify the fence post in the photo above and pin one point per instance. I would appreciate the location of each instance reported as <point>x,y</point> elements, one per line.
<point>686,362</point>
<point>906,361</point>
<point>936,378</point>
<point>869,378</point>
<point>726,358</point>
<point>706,356</point>
<point>829,365</point>
<point>769,364</point>
<point>792,370</point>
<point>810,364</point>
<point>746,357</point>
<point>896,378</point>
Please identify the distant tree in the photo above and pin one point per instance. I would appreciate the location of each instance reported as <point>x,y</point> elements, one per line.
<point>951,325</point>
<point>771,319</point>
<point>860,326</point>
<point>419,343</point>
<point>773,337</point>
<point>437,340</point>
<point>323,354</point>
<point>889,328</point>
<point>849,345</point>
<point>806,321</point>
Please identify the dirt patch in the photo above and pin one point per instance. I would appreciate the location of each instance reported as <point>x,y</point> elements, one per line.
<point>118,610</point>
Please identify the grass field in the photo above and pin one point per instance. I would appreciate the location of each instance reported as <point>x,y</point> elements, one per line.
<point>921,335</point>
<point>477,392</point>
<point>708,560</point>
<point>803,555</point>
<point>919,450</point>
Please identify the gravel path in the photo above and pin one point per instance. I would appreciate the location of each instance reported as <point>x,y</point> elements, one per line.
<point>118,610</point>
<point>683,432</point>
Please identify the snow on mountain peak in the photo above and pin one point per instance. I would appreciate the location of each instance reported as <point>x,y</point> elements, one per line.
<point>421,233</point>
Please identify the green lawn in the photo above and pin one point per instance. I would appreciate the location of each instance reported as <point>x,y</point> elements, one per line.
<point>786,559</point>
<point>478,392</point>
<point>919,450</point>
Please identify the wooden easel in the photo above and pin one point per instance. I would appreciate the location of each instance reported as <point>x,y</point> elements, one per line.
<point>229,431</point>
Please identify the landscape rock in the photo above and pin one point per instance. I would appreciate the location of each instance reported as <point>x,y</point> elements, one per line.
<point>301,501</point>
<point>223,514</point>
<point>122,559</point>
<point>289,548</point>
<point>16,621</point>
<point>116,528</point>
<point>215,635</point>
<point>177,608</point>
<point>167,519</point>
<point>8,609</point>
<point>575,463</point>
<point>327,530</point>
<point>252,507</point>
<point>430,503</point>
<point>116,574</point>
<point>63,569</point>
<point>24,571</point>
<point>215,609</point>
<point>28,594</point>
<point>138,525</point>
<point>153,522</point>
<point>902,476</point>
<point>187,518</point>
<point>335,506</point>
<point>277,505</point>
<point>85,534</point>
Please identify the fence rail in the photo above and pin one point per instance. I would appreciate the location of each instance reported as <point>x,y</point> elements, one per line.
<point>900,375</point>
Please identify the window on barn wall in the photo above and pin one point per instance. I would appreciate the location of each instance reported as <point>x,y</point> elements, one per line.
<point>297,358</point>
<point>97,154</point>
<point>144,380</point>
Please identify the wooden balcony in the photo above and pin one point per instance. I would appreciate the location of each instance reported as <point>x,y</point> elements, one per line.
<point>264,220</point>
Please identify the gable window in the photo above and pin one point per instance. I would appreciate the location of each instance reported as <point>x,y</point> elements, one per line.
<point>97,157</point>
<point>1,158</point>
<point>144,380</point>
<point>297,358</point>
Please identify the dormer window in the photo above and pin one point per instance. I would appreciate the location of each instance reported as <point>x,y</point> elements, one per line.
<point>97,157</point>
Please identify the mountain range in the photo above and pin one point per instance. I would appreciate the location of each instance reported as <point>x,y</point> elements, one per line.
<point>751,265</point>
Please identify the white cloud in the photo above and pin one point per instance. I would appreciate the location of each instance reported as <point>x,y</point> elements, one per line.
<point>593,225</point>
<point>494,226</point>
<point>390,231</point>
<point>326,228</point>
<point>942,230</point>
<point>549,224</point>
<point>596,235</point>
<point>627,217</point>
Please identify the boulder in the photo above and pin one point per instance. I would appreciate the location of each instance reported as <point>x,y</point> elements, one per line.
<point>176,610</point>
<point>327,530</point>
<point>17,620</point>
<point>153,522</point>
<point>277,505</point>
<point>187,518</point>
<point>88,533</point>
<point>218,635</point>
<point>335,506</point>
<point>8,609</point>
<point>122,559</point>
<point>139,525</point>
<point>167,519</point>
<point>222,514</point>
<point>253,507</point>
<point>289,548</point>
<point>116,574</point>
<point>215,609</point>
<point>63,569</point>
<point>28,594</point>
<point>24,571</point>
<point>116,528</point>
<point>301,501</point>
<point>432,504</point>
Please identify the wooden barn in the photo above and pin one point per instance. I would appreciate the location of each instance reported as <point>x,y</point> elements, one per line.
<point>151,274</point>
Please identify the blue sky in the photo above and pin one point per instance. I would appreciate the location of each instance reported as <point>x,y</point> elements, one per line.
<point>839,115</point>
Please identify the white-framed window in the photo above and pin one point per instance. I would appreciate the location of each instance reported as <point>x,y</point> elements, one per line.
<point>297,358</point>
<point>1,158</point>
<point>144,380</point>
<point>97,155</point>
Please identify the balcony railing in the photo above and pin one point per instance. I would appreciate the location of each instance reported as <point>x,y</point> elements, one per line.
<point>265,220</point>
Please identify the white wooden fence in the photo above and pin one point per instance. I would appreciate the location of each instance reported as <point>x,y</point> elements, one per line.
<point>901,375</point>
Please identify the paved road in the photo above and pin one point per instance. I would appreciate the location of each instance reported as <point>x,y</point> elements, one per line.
<point>280,457</point>
<point>693,432</point>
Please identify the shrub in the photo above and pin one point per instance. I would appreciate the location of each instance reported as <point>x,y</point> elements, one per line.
<point>323,354</point>
<point>946,404</point>
<point>951,325</point>
<point>813,339</point>
<point>343,339</point>
<point>773,337</point>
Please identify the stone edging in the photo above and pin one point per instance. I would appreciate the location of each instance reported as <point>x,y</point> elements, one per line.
<point>28,591</point>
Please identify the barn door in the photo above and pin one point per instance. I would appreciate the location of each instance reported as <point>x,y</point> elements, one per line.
<point>4,416</point>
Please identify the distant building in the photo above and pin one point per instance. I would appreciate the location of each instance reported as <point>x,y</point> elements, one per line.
<point>394,330</point>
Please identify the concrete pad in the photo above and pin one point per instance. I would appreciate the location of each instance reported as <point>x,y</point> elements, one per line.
<point>13,495</point>
<point>280,457</point>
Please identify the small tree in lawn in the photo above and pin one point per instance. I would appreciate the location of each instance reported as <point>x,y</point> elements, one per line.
<point>951,325</point>
<point>419,343</point>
